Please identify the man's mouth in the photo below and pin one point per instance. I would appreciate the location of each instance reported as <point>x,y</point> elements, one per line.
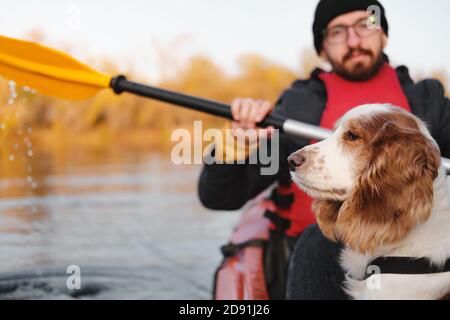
<point>357,55</point>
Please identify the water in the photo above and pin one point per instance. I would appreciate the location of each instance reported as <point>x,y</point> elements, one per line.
<point>129,219</point>
<point>134,227</point>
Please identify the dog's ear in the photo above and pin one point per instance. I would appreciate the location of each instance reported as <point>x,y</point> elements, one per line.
<point>393,193</point>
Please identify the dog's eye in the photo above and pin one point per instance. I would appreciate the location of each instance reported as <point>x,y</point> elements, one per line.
<point>351,136</point>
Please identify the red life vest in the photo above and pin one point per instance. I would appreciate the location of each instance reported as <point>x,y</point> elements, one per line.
<point>342,95</point>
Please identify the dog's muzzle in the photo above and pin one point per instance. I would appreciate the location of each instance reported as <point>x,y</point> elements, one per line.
<point>296,160</point>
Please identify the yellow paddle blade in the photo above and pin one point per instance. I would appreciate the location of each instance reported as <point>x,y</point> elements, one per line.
<point>49,71</point>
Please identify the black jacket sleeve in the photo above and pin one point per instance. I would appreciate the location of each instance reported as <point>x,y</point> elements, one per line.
<point>428,102</point>
<point>230,186</point>
<point>443,137</point>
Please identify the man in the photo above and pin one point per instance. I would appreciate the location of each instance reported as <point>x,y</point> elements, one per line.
<point>345,36</point>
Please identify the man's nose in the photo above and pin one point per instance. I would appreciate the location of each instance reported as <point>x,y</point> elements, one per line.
<point>353,39</point>
<point>296,159</point>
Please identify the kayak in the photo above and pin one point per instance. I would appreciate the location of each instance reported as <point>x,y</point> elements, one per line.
<point>241,274</point>
<point>256,257</point>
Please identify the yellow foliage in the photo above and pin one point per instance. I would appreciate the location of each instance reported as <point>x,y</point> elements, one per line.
<point>110,119</point>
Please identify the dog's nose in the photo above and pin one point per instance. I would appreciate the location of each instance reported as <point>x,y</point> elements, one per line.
<point>295,160</point>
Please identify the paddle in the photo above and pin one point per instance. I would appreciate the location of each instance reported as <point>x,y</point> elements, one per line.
<point>57,74</point>
<point>52,72</point>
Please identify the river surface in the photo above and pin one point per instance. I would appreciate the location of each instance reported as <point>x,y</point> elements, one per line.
<point>132,225</point>
<point>128,222</point>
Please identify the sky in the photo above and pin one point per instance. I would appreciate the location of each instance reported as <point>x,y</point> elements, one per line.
<point>130,31</point>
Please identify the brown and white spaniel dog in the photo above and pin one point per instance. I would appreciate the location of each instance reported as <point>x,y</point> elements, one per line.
<point>379,189</point>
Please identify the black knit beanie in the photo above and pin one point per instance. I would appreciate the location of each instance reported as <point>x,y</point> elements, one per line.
<point>327,10</point>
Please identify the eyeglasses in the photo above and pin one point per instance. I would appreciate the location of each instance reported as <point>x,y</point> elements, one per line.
<point>339,34</point>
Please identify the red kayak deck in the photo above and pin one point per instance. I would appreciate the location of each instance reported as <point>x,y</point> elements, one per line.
<point>241,276</point>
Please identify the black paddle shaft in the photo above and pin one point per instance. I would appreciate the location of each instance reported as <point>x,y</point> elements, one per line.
<point>295,128</point>
<point>120,84</point>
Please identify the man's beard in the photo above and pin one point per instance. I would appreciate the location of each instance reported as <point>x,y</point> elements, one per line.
<point>359,72</point>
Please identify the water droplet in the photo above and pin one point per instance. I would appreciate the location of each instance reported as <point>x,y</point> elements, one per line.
<point>27,142</point>
<point>13,93</point>
<point>29,129</point>
<point>30,153</point>
<point>11,157</point>
<point>30,179</point>
<point>34,185</point>
<point>2,126</point>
